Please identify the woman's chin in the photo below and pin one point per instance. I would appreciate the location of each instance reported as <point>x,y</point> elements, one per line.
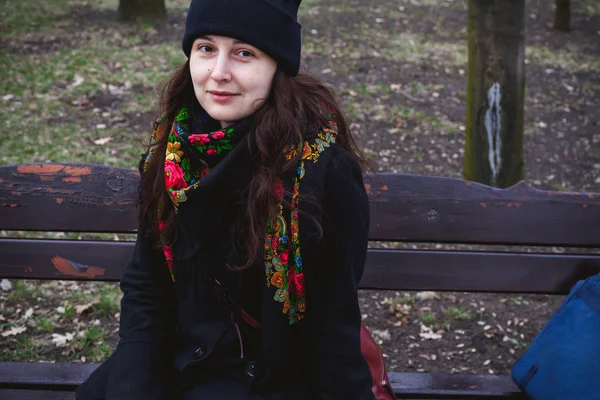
<point>225,115</point>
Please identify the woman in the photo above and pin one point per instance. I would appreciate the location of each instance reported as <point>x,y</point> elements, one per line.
<point>253,227</point>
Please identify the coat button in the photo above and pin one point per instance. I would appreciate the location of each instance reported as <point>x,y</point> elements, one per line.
<point>199,352</point>
<point>251,369</point>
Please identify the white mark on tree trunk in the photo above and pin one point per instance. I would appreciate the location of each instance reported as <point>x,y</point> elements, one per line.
<point>492,126</point>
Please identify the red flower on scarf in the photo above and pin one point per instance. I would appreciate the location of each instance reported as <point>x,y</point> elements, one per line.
<point>210,152</point>
<point>199,139</point>
<point>284,256</point>
<point>174,176</point>
<point>275,243</point>
<point>306,150</point>
<point>295,282</point>
<point>278,188</point>
<point>218,135</point>
<point>168,252</point>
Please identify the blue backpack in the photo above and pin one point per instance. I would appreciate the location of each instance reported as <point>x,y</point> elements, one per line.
<point>563,361</point>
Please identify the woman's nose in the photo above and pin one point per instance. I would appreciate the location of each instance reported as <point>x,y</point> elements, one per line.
<point>222,69</point>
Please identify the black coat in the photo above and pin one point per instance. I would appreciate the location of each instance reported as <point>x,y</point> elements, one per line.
<point>173,347</point>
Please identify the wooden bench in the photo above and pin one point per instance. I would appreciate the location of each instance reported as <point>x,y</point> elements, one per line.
<point>405,208</point>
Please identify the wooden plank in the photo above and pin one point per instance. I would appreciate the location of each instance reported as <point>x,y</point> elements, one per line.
<point>16,394</point>
<point>64,259</point>
<point>445,210</point>
<point>68,197</point>
<point>415,385</point>
<point>450,386</point>
<point>44,376</point>
<point>385,269</point>
<point>91,198</point>
<point>476,271</point>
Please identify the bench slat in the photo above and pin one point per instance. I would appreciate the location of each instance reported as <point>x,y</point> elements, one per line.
<point>446,210</point>
<point>464,271</point>
<point>66,377</point>
<point>17,394</point>
<point>93,198</point>
<point>68,197</point>
<point>424,385</point>
<point>43,376</point>
<point>386,269</point>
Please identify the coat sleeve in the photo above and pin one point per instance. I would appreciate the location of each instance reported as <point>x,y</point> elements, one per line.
<point>339,368</point>
<point>139,367</point>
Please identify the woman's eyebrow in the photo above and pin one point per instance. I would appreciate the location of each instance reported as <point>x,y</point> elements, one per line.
<point>236,41</point>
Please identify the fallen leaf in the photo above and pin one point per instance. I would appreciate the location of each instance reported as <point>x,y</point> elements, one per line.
<point>61,340</point>
<point>6,285</point>
<point>383,335</point>
<point>84,307</point>
<point>427,296</point>
<point>427,333</point>
<point>77,80</point>
<point>104,140</point>
<point>14,331</point>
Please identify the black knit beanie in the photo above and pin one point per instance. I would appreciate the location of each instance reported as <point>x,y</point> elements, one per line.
<point>270,25</point>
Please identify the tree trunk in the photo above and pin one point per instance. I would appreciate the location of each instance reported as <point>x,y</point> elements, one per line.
<point>495,92</point>
<point>562,15</point>
<point>145,11</point>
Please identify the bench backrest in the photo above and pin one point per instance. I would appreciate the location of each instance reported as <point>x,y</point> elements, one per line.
<point>404,208</point>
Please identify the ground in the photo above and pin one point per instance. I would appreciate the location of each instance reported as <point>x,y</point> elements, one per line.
<point>77,86</point>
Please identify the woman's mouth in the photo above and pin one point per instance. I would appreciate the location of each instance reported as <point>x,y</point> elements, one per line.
<point>221,96</point>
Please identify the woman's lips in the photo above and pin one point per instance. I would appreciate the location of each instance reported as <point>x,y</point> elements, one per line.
<point>222,97</point>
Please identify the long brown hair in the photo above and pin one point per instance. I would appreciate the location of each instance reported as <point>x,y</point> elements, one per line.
<point>294,105</point>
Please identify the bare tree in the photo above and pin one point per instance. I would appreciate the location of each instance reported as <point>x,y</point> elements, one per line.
<point>562,15</point>
<point>150,11</point>
<point>495,92</point>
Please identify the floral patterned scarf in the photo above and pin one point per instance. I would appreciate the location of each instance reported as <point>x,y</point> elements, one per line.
<point>189,159</point>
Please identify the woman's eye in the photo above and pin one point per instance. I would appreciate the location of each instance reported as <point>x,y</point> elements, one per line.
<point>245,53</point>
<point>205,48</point>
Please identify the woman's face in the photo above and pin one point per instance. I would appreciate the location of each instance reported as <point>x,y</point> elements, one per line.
<point>231,78</point>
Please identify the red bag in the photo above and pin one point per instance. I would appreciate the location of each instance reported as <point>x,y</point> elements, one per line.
<point>381,388</point>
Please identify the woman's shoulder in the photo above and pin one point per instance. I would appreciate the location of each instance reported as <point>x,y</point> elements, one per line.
<point>326,157</point>
<point>320,143</point>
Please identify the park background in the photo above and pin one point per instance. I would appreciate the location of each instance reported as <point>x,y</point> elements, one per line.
<point>76,85</point>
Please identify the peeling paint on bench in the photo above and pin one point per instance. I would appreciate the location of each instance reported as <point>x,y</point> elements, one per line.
<point>68,267</point>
